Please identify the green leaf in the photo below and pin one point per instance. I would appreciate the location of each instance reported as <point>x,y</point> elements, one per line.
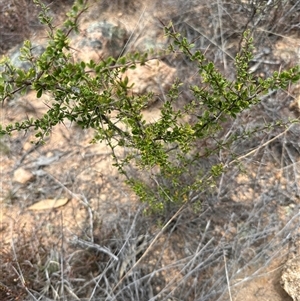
<point>39,93</point>
<point>75,9</point>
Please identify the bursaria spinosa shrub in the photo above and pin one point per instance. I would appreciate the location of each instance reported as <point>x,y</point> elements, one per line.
<point>95,95</point>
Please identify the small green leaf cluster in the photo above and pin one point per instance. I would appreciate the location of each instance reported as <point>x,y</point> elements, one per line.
<point>96,95</point>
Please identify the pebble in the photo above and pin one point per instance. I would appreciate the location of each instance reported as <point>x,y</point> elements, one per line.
<point>22,176</point>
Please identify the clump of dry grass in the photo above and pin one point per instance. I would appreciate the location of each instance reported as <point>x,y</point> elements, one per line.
<point>19,20</point>
<point>15,20</point>
<point>131,257</point>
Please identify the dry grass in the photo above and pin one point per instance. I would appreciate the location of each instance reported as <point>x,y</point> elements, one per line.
<point>107,249</point>
<point>19,20</point>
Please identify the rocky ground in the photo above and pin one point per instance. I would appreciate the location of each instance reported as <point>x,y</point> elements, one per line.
<point>71,230</point>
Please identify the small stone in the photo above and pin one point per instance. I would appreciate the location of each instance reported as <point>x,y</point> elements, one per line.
<point>22,176</point>
<point>100,40</point>
<point>27,146</point>
<point>290,277</point>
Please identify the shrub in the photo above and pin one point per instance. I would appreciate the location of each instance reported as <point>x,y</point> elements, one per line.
<point>96,95</point>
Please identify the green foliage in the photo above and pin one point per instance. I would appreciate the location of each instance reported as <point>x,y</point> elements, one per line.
<point>95,95</point>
